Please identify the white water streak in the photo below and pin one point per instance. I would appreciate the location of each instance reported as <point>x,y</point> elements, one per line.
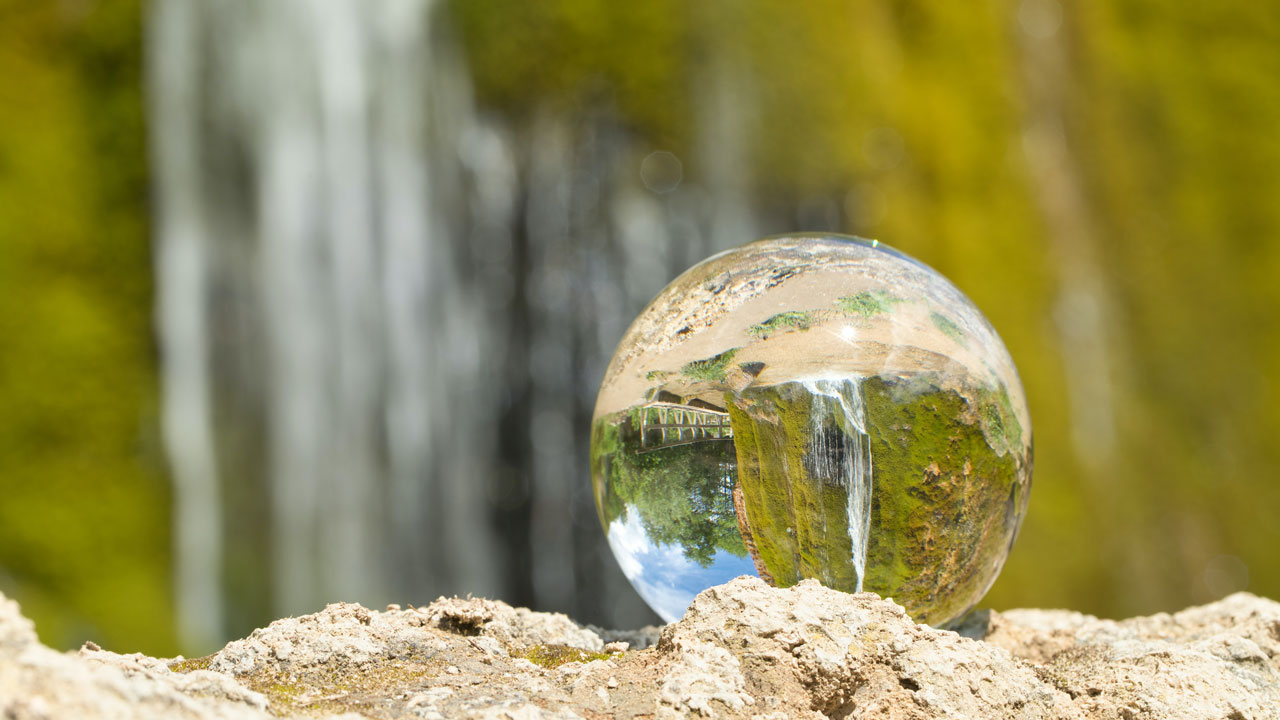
<point>181,322</point>
<point>840,400</point>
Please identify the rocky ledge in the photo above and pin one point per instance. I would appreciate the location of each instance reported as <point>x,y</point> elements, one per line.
<point>744,649</point>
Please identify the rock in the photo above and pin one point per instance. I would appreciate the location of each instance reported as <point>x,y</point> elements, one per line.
<point>640,639</point>
<point>1217,661</point>
<point>37,683</point>
<point>16,632</point>
<point>839,655</point>
<point>743,650</point>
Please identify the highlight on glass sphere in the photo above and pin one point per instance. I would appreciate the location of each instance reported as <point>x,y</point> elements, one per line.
<point>812,406</point>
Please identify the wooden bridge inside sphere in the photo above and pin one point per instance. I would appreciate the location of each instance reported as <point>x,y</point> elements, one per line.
<point>665,424</point>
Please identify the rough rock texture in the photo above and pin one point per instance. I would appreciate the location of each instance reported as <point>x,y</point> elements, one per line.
<point>38,683</point>
<point>744,650</point>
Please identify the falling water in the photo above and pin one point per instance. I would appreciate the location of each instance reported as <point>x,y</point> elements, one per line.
<point>840,450</point>
<point>328,399</point>
<point>384,315</point>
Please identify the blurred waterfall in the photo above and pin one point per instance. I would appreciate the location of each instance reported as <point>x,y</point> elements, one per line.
<point>181,272</point>
<point>312,314</point>
<point>384,317</point>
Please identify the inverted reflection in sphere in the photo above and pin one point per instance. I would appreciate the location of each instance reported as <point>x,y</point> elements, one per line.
<point>812,407</point>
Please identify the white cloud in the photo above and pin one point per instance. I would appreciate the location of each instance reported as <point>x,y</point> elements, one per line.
<point>664,577</point>
<point>629,541</point>
<point>654,570</point>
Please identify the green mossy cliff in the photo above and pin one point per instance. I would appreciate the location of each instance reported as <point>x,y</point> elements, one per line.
<point>946,500</point>
<point>800,523</point>
<point>945,505</point>
<point>84,501</point>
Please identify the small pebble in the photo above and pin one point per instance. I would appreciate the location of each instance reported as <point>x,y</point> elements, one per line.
<point>393,607</point>
<point>452,670</point>
<point>617,646</point>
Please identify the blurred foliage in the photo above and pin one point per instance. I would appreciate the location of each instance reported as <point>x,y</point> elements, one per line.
<point>83,501</point>
<point>1101,178</point>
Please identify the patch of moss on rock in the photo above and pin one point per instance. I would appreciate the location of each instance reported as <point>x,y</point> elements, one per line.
<point>711,369</point>
<point>324,690</point>
<point>867,303</point>
<point>947,326</point>
<point>187,665</point>
<point>783,322</point>
<point>553,656</point>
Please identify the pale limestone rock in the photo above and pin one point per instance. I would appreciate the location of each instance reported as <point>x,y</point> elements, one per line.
<point>744,650</point>
<point>37,683</point>
<point>1220,660</point>
<point>703,677</point>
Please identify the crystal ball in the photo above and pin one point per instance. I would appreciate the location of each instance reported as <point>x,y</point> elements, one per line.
<point>812,406</point>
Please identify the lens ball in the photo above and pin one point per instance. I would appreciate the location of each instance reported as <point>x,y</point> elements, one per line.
<point>814,406</point>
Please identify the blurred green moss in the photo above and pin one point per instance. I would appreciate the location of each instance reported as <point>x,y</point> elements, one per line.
<point>84,516</point>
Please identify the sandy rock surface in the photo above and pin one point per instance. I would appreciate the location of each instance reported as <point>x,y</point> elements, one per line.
<point>744,650</point>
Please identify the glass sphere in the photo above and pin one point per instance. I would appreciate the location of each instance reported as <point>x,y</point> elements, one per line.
<point>812,406</point>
